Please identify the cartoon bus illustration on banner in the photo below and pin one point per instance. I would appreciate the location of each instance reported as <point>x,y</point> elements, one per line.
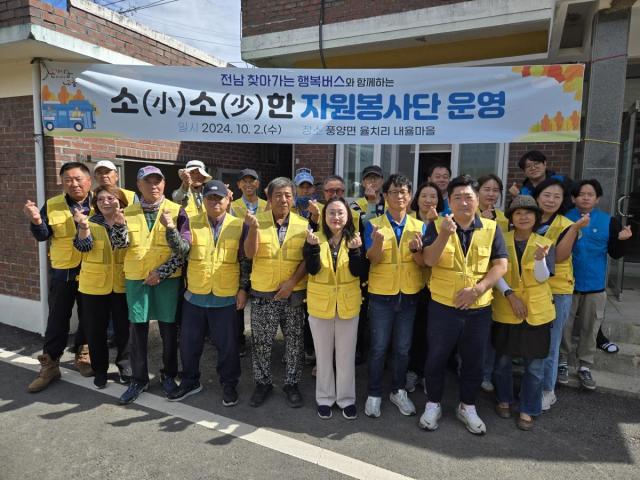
<point>76,114</point>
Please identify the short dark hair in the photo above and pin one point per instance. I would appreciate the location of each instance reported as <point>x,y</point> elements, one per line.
<point>575,191</point>
<point>113,190</point>
<point>546,183</point>
<point>491,176</point>
<point>438,165</point>
<point>533,155</point>
<point>332,178</point>
<point>537,212</point>
<point>423,185</point>
<point>397,179</point>
<point>463,181</point>
<point>72,165</point>
<point>349,230</point>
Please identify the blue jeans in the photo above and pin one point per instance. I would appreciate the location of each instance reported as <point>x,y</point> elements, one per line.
<point>530,389</point>
<point>390,320</point>
<point>563,307</point>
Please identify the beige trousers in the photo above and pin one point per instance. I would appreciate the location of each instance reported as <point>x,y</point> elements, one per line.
<point>587,313</point>
<point>337,335</point>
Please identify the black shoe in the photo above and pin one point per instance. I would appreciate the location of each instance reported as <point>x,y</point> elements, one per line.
<point>125,375</point>
<point>100,380</point>
<point>229,396</point>
<point>183,391</point>
<point>350,412</point>
<point>134,390</point>
<point>294,399</point>
<point>324,412</point>
<point>168,384</point>
<point>260,394</point>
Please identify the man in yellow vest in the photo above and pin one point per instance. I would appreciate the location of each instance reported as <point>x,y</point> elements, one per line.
<point>55,222</point>
<point>467,256</point>
<point>106,173</point>
<point>278,281</point>
<point>189,195</point>
<point>392,243</point>
<point>214,292</point>
<point>152,276</point>
<point>249,185</point>
<point>372,204</point>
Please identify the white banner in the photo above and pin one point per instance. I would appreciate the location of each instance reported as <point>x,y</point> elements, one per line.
<point>533,103</point>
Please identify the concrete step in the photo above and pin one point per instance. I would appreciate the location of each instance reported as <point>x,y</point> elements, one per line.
<point>622,319</point>
<point>625,362</point>
<point>607,381</point>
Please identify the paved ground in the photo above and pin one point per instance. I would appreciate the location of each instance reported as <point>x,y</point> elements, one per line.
<point>73,431</point>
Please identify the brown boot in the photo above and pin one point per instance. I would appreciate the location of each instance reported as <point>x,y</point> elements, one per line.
<point>49,371</point>
<point>83,362</point>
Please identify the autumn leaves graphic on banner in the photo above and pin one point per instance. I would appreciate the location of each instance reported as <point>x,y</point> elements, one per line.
<point>571,77</point>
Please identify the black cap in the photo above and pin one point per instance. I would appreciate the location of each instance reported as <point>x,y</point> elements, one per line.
<point>372,170</point>
<point>248,172</point>
<point>215,187</point>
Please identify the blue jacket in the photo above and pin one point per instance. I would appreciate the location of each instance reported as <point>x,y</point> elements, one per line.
<point>590,252</point>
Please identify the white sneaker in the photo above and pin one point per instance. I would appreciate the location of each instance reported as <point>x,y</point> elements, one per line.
<point>372,407</point>
<point>487,386</point>
<point>471,420</point>
<point>411,381</point>
<point>402,401</point>
<point>548,399</point>
<point>429,419</point>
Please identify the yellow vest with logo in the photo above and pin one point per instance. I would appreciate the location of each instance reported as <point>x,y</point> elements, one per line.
<point>102,270</point>
<point>191,209</point>
<point>397,271</point>
<point>130,195</point>
<point>562,282</point>
<point>147,249</point>
<point>239,208</point>
<point>501,220</point>
<point>213,266</point>
<point>330,291</point>
<point>61,252</point>
<point>274,264</point>
<point>536,296</point>
<point>455,271</point>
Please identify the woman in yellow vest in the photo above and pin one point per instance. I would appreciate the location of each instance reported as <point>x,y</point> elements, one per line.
<point>152,279</point>
<point>332,259</point>
<point>102,239</point>
<point>563,232</point>
<point>426,206</point>
<point>523,312</point>
<point>490,192</point>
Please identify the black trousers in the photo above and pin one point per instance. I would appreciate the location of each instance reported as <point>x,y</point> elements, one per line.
<point>240,326</point>
<point>139,337</point>
<point>62,296</point>
<point>418,353</point>
<point>97,310</point>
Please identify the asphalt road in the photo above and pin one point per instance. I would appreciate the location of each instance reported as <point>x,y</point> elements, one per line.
<point>73,431</point>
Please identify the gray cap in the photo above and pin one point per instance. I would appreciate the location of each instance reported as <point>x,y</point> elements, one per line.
<point>214,187</point>
<point>248,172</point>
<point>526,202</point>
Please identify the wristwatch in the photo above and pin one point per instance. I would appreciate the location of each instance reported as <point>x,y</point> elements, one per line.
<point>507,292</point>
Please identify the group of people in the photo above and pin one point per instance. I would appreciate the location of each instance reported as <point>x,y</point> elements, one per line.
<point>420,278</point>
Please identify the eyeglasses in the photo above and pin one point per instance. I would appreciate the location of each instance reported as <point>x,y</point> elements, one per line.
<point>532,165</point>
<point>334,191</point>
<point>398,193</point>
<point>106,199</point>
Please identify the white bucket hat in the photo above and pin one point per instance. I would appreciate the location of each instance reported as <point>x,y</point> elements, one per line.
<point>198,165</point>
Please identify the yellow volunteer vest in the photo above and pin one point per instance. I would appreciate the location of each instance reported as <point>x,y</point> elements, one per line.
<point>274,264</point>
<point>536,296</point>
<point>191,209</point>
<point>239,208</point>
<point>60,220</point>
<point>129,195</point>
<point>397,271</point>
<point>213,266</point>
<point>454,271</point>
<point>562,282</point>
<point>102,270</point>
<point>501,220</point>
<point>331,291</point>
<point>147,249</point>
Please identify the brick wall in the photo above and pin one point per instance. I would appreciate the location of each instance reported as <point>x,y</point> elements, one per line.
<point>267,16</point>
<point>85,26</point>
<point>19,252</point>
<point>319,158</point>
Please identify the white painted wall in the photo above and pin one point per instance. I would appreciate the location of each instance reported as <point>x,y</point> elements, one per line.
<point>15,80</point>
